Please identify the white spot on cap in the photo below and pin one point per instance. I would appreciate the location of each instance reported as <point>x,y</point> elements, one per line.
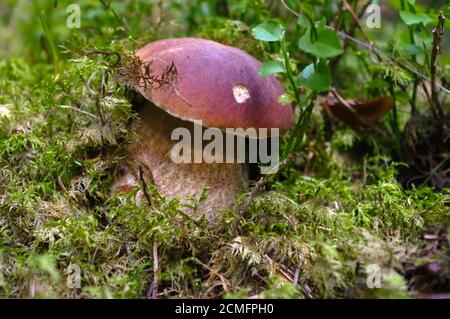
<point>241,92</point>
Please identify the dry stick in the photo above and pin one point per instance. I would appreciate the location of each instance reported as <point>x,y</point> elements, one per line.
<point>225,283</point>
<point>355,19</point>
<point>32,286</point>
<point>78,110</point>
<point>425,90</point>
<point>294,277</point>
<point>360,15</point>
<point>155,271</point>
<point>88,83</point>
<point>351,31</point>
<point>370,47</point>
<point>153,290</point>
<point>380,54</point>
<point>144,186</point>
<point>438,34</point>
<point>284,271</point>
<point>106,54</point>
<point>154,285</point>
<point>98,96</point>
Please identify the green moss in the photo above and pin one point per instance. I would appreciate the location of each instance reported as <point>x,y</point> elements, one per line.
<point>317,230</point>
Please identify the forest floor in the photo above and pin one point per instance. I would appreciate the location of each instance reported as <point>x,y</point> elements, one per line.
<point>355,214</point>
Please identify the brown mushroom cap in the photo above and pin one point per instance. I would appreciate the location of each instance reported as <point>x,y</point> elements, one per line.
<point>217,84</point>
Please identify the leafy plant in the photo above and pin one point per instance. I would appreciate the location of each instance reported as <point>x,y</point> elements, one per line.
<point>346,198</point>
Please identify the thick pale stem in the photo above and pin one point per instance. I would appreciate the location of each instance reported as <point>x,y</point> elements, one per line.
<point>152,152</point>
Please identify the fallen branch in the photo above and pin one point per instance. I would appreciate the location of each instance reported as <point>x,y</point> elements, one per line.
<point>153,291</point>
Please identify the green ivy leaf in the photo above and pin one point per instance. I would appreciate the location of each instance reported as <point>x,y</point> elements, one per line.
<point>326,45</point>
<point>316,77</point>
<point>411,18</point>
<point>271,67</point>
<point>270,31</point>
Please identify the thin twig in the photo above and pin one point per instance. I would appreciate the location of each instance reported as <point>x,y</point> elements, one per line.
<point>434,171</point>
<point>351,31</point>
<point>380,54</point>
<point>61,184</point>
<point>425,90</point>
<point>144,186</point>
<point>32,286</point>
<point>338,16</point>
<point>78,110</point>
<point>154,286</point>
<point>106,54</point>
<point>100,96</point>
<point>296,276</point>
<point>355,19</point>
<point>438,34</point>
<point>361,13</point>
<point>153,290</point>
<point>257,188</point>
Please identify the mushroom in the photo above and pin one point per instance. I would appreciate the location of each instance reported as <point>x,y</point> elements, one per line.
<point>212,83</point>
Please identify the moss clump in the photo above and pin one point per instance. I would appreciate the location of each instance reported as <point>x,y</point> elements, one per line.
<point>327,225</point>
<point>56,211</point>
